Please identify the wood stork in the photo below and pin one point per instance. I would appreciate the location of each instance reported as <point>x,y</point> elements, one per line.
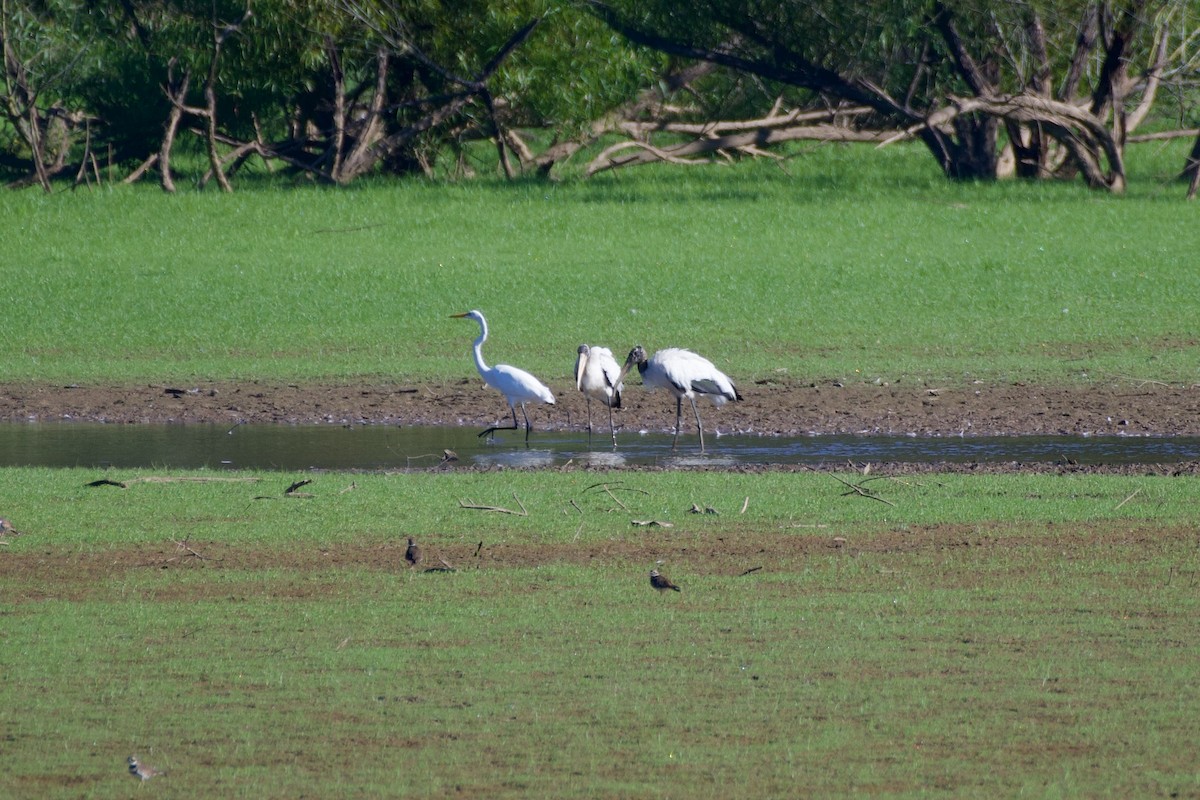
<point>517,385</point>
<point>598,375</point>
<point>684,374</point>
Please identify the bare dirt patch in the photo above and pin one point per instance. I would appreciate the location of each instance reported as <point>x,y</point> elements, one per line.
<point>1123,407</point>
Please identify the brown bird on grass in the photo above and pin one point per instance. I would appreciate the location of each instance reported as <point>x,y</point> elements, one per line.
<point>661,582</point>
<point>413,553</point>
<point>143,772</point>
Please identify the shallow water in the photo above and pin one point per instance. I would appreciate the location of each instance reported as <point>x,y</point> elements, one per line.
<point>381,447</point>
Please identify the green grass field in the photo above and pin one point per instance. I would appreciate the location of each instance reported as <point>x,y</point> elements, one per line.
<point>976,636</point>
<point>849,264</point>
<point>983,637</point>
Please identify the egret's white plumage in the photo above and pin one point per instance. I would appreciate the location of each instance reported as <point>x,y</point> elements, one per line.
<point>517,385</point>
<point>598,375</point>
<point>684,374</point>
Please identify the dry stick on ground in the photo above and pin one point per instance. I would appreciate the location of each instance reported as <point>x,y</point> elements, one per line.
<point>183,545</point>
<point>861,490</point>
<point>497,509</point>
<point>608,491</point>
<point>1136,492</point>
<point>291,489</point>
<point>752,569</point>
<point>745,505</point>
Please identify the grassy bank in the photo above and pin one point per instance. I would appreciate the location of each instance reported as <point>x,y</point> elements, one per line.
<point>983,636</point>
<point>835,265</point>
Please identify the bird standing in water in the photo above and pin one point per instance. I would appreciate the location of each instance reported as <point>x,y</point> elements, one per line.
<point>517,385</point>
<point>598,375</point>
<point>684,374</point>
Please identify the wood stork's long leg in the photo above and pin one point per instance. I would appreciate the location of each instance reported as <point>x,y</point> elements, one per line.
<point>589,406</point>
<point>528,427</point>
<point>699,426</point>
<point>611,425</point>
<point>678,416</point>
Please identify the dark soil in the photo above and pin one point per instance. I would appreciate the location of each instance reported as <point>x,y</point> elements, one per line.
<point>1146,408</point>
<point>1122,407</point>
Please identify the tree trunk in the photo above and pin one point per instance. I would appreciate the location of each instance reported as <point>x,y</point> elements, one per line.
<point>1191,170</point>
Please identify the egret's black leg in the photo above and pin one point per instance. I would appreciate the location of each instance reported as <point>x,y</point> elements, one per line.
<point>513,427</point>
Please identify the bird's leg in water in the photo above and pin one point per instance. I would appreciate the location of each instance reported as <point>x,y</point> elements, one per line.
<point>514,427</point>
<point>699,427</point>
<point>526,416</point>
<point>678,415</point>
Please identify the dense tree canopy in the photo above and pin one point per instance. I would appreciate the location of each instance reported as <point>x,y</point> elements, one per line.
<point>340,90</point>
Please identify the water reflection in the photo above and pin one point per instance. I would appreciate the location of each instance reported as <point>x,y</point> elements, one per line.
<point>526,459</point>
<point>388,448</point>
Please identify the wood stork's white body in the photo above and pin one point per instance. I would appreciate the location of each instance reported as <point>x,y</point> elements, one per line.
<point>684,374</point>
<point>517,385</point>
<point>598,376</point>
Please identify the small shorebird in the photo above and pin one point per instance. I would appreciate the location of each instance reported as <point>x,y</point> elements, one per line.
<point>143,772</point>
<point>412,553</point>
<point>661,582</point>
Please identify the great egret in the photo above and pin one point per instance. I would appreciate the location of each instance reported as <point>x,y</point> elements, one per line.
<point>684,374</point>
<point>517,385</point>
<point>662,582</point>
<point>598,375</point>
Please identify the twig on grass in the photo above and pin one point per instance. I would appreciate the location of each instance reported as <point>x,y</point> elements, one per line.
<point>1140,381</point>
<point>1136,492</point>
<point>608,491</point>
<point>745,505</point>
<point>292,489</point>
<point>608,487</point>
<point>752,569</point>
<point>497,509</point>
<point>861,490</point>
<point>182,544</point>
<point>652,523</point>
